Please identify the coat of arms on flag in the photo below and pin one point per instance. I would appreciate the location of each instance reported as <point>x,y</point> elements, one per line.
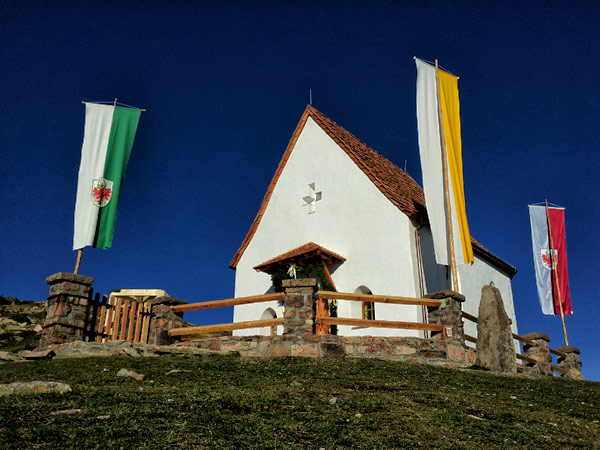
<point>101,192</point>
<point>549,258</point>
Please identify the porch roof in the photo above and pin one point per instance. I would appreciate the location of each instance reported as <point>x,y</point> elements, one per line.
<point>300,255</point>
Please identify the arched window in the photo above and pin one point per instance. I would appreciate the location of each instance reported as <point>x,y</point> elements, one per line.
<point>270,313</point>
<point>367,308</point>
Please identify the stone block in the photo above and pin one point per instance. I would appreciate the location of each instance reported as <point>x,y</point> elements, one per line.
<point>305,329</point>
<point>300,282</point>
<point>157,323</point>
<point>368,350</point>
<point>446,294</point>
<point>293,301</point>
<point>62,309</point>
<point>534,336</point>
<point>305,350</point>
<point>67,276</point>
<point>405,350</point>
<point>495,344</point>
<point>264,346</point>
<point>312,337</point>
<point>161,309</point>
<point>349,349</point>
<point>456,353</point>
<point>432,353</point>
<point>290,313</point>
<point>569,349</point>
<point>306,314</point>
<point>351,339</point>
<point>238,346</point>
<point>394,340</point>
<point>280,350</point>
<point>78,315</point>
<point>334,350</point>
<point>471,357</point>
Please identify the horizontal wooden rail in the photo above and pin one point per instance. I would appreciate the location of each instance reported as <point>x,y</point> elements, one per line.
<point>206,329</point>
<point>557,353</point>
<point>229,302</point>
<point>470,339</point>
<point>379,298</point>
<point>379,323</point>
<point>559,369</point>
<point>523,339</point>
<point>527,359</point>
<point>469,316</point>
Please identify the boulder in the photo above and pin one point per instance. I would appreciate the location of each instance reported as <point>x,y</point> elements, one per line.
<point>34,387</point>
<point>495,344</point>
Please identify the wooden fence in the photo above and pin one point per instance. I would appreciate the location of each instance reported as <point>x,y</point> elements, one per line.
<point>117,318</point>
<point>319,319</point>
<point>522,339</point>
<point>394,300</point>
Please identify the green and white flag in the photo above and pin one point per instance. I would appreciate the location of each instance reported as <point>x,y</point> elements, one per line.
<point>107,142</point>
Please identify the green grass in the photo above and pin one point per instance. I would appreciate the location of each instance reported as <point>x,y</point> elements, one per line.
<point>239,403</point>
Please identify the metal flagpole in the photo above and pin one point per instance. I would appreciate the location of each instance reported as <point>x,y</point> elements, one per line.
<point>551,241</point>
<point>445,176</point>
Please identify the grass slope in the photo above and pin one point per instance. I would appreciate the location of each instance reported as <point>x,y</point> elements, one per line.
<point>244,403</point>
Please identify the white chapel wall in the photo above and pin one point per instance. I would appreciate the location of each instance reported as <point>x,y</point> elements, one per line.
<point>353,218</point>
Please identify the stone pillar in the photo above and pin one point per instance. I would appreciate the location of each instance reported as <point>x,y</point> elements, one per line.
<point>299,303</point>
<point>540,351</point>
<point>66,311</point>
<point>162,319</point>
<point>570,362</point>
<point>448,313</point>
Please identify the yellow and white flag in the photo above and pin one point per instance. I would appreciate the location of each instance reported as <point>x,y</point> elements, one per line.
<point>430,144</point>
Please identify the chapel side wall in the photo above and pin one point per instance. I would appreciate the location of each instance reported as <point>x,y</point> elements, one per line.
<point>353,218</point>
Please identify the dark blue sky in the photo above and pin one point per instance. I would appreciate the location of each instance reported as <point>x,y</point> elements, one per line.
<point>225,84</point>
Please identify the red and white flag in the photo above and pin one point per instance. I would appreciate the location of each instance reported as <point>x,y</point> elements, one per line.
<point>550,261</point>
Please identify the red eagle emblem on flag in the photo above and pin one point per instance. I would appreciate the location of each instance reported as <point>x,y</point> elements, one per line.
<point>101,192</point>
<point>549,258</point>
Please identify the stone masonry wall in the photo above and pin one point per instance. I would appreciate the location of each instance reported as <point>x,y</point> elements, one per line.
<point>67,309</point>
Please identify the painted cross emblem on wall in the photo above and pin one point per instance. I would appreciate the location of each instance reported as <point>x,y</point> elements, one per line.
<point>312,198</point>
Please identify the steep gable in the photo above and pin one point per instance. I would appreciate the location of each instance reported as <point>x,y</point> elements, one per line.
<point>397,185</point>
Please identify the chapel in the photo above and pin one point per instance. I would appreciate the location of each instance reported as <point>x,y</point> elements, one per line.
<point>339,211</point>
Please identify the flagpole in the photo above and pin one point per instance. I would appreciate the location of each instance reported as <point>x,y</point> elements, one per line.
<point>562,313</point>
<point>445,177</point>
<point>79,253</point>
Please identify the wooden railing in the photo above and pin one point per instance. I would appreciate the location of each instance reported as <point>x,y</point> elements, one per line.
<point>322,295</point>
<point>326,320</point>
<point>520,339</point>
<point>379,298</point>
<point>379,323</point>
<point>207,329</point>
<point>229,302</point>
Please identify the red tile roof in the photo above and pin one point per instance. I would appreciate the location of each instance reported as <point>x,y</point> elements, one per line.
<point>300,254</point>
<point>398,186</point>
